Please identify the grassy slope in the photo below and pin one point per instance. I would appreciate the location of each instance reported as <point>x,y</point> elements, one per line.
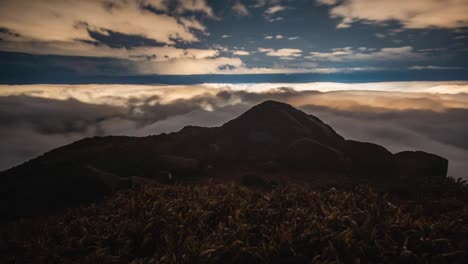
<point>232,224</point>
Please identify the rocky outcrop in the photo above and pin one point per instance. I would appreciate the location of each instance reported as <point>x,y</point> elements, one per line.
<point>422,166</point>
<point>369,160</point>
<point>308,154</point>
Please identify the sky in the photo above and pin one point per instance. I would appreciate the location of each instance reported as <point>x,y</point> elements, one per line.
<point>198,41</point>
<point>392,72</point>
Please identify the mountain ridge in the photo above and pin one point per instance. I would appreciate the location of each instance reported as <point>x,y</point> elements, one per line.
<point>272,140</point>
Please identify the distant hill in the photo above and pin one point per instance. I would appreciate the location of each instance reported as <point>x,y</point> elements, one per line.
<point>272,141</point>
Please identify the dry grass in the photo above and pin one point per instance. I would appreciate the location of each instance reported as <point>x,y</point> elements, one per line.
<point>227,223</point>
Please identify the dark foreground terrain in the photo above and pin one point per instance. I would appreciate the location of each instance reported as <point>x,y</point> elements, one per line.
<point>228,223</point>
<point>177,198</point>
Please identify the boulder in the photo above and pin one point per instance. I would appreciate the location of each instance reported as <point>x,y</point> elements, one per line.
<point>308,154</point>
<point>419,165</point>
<point>369,160</point>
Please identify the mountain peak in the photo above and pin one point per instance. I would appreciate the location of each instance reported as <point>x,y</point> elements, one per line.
<point>271,107</point>
<point>270,136</point>
<point>272,103</point>
<point>281,122</point>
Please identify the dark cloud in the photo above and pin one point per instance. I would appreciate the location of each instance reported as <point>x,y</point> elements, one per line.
<point>47,116</point>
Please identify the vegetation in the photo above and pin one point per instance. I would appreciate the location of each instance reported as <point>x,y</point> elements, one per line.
<point>228,223</point>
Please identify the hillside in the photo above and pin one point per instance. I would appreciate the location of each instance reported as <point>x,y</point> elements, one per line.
<point>228,223</point>
<point>272,141</point>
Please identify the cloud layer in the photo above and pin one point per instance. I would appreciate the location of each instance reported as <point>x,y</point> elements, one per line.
<point>37,118</point>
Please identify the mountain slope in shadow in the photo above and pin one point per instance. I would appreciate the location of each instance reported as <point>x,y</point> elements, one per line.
<point>272,139</point>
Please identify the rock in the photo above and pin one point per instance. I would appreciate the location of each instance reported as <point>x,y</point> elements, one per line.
<point>306,153</point>
<point>419,165</point>
<point>369,160</point>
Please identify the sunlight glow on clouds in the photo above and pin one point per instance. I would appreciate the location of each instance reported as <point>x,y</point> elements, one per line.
<point>411,14</point>
<point>241,53</point>
<point>282,52</point>
<point>275,9</point>
<point>453,87</point>
<point>449,94</point>
<point>49,27</point>
<point>66,20</point>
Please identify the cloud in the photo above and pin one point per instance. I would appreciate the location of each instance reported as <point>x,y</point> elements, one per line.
<point>380,35</point>
<point>37,118</point>
<point>440,88</point>
<point>281,52</point>
<point>417,14</point>
<point>193,6</point>
<point>143,60</point>
<point>432,67</point>
<point>327,2</point>
<point>241,53</point>
<point>180,6</point>
<point>259,3</point>
<point>280,69</point>
<point>279,37</point>
<point>349,54</point>
<point>43,124</point>
<point>73,20</point>
<point>275,9</point>
<point>240,9</point>
<point>190,66</point>
<point>83,49</point>
<point>275,19</point>
<point>68,28</point>
<point>64,28</point>
<point>169,60</point>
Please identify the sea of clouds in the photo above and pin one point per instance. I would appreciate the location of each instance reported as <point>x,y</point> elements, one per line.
<point>428,116</point>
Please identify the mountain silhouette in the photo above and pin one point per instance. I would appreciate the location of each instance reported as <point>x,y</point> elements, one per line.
<point>278,123</point>
<point>271,139</point>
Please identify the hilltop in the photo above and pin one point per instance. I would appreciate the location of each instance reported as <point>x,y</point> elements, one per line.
<point>271,143</point>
